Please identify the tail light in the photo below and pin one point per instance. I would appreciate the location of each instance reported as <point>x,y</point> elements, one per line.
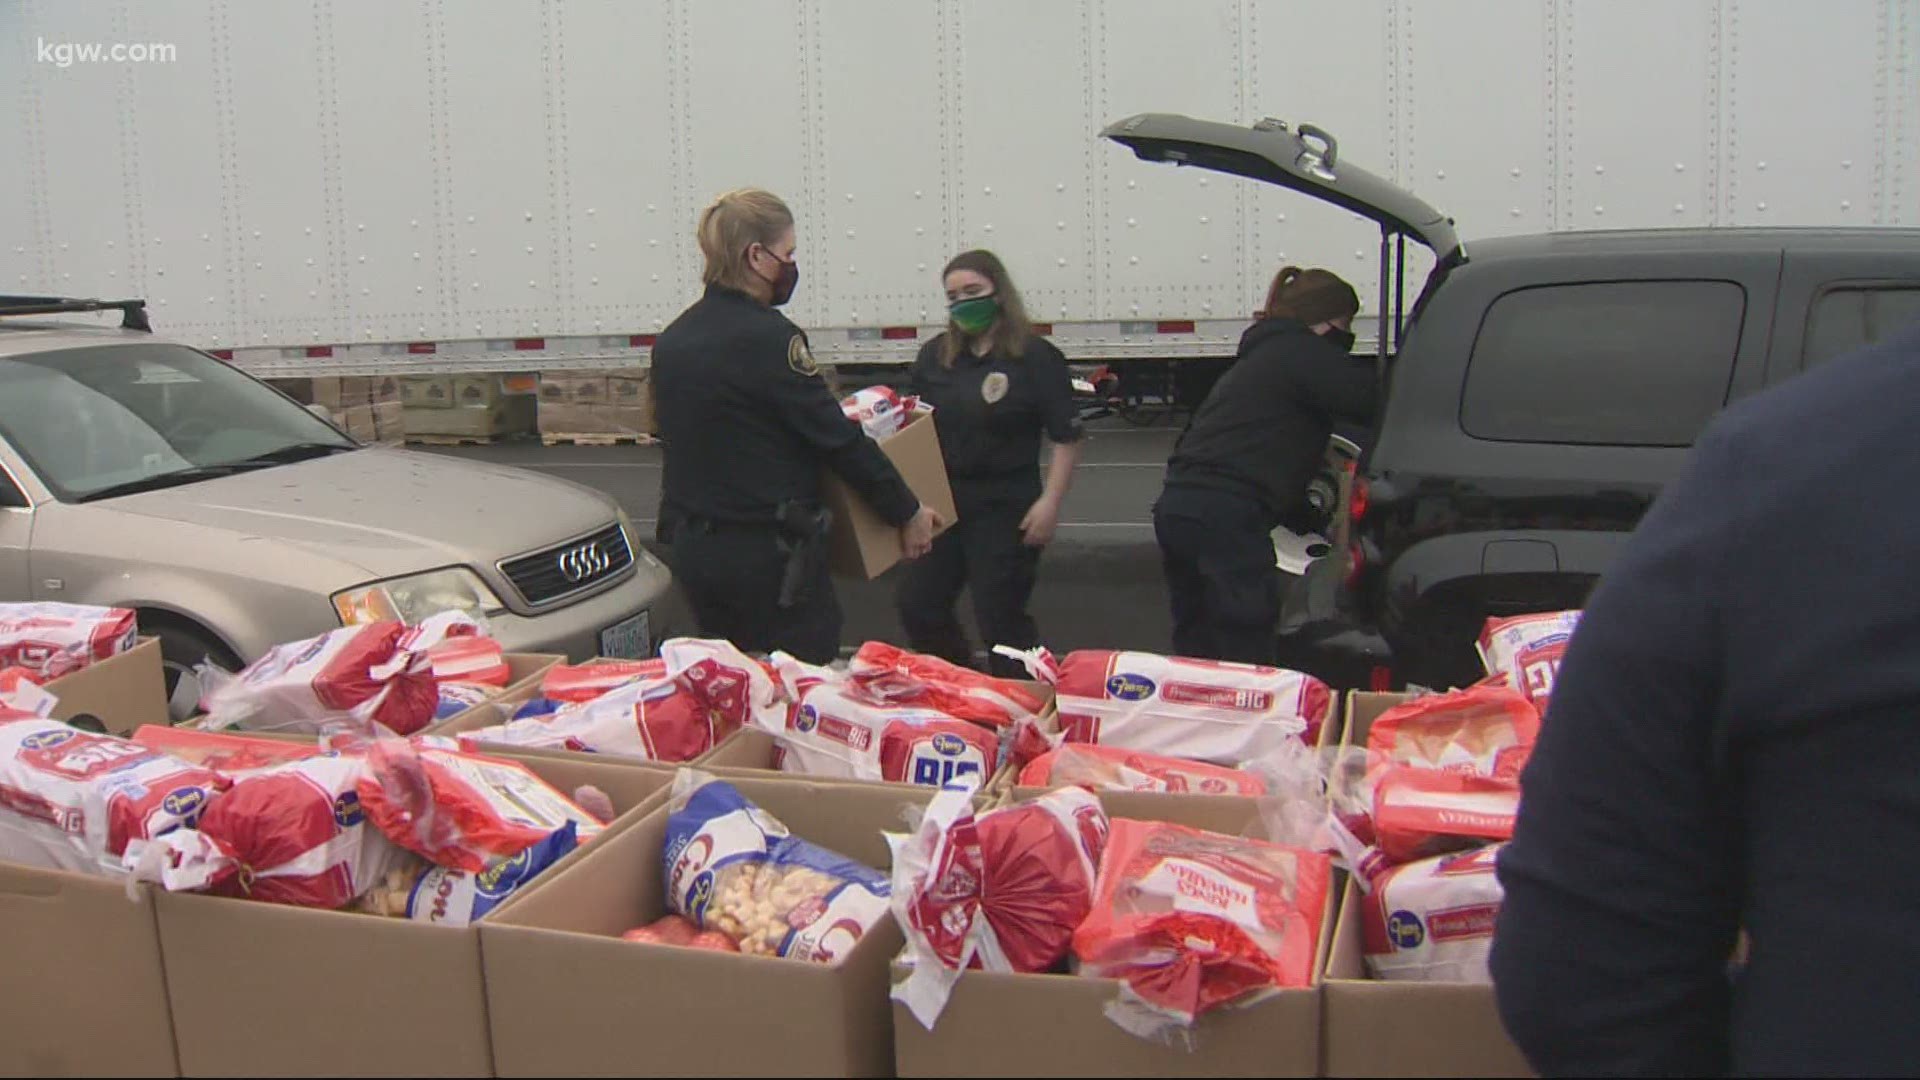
<point>1356,565</point>
<point>1357,500</point>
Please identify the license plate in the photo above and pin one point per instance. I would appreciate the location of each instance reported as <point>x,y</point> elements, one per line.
<point>628,639</point>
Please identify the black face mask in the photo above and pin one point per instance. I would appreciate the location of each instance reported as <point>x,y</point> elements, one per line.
<point>1340,339</point>
<point>786,282</point>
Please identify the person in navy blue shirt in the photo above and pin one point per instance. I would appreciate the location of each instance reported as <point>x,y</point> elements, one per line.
<point>1734,743</point>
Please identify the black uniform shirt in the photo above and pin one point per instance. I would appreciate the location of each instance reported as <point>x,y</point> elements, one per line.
<point>1262,431</point>
<point>990,412</point>
<point>748,421</point>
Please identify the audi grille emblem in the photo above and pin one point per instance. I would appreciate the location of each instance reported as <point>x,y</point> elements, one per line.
<point>586,561</point>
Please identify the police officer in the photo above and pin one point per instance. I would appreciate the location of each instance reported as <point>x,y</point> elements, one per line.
<point>995,388</point>
<point>748,423</point>
<point>1243,465</point>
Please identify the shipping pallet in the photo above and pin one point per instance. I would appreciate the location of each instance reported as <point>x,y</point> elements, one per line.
<point>558,438</point>
<point>455,440</point>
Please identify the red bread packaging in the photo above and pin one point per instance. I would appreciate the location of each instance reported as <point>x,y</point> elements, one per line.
<point>292,833</point>
<point>1192,921</point>
<point>221,751</point>
<point>1001,891</point>
<point>1200,710</point>
<point>52,640</point>
<point>900,677</point>
<point>462,811</point>
<point>581,683</point>
<point>836,729</point>
<point>1525,651</point>
<point>1484,730</point>
<point>336,682</point>
<point>1420,812</point>
<point>74,800</point>
<point>1112,769</point>
<point>1433,920</point>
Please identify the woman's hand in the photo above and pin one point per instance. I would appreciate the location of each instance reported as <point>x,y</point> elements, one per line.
<point>916,536</point>
<point>1042,519</point>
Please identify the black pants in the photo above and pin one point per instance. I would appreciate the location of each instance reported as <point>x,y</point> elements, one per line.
<point>731,575</point>
<point>1217,551</point>
<point>983,551</point>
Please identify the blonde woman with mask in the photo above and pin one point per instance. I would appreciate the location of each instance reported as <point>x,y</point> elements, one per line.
<point>748,423</point>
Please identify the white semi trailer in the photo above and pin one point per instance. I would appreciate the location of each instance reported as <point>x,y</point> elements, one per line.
<point>322,187</point>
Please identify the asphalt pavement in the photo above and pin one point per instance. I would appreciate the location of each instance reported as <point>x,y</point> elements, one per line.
<point>1100,582</point>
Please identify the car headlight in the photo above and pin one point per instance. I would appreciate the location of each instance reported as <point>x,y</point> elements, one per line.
<point>639,550</point>
<point>413,599</point>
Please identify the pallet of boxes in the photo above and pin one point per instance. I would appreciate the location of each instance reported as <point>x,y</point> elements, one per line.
<point>596,408</point>
<point>454,410</point>
<point>367,407</point>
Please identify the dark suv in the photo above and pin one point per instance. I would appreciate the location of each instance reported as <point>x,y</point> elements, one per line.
<point>1540,392</point>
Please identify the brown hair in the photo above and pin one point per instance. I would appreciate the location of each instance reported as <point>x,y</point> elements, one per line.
<point>1010,332</point>
<point>1310,296</point>
<point>735,222</point>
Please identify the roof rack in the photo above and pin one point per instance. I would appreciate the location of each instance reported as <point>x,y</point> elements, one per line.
<point>133,313</point>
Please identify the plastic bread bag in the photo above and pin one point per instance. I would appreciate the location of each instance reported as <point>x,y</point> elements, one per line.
<point>344,680</point>
<point>76,800</point>
<point>1484,730</point>
<point>1112,769</point>
<point>460,810</point>
<point>1201,710</point>
<point>291,833</point>
<point>1193,921</point>
<point>731,866</point>
<point>51,640</point>
<point>444,896</point>
<point>900,676</point>
<point>1001,891</point>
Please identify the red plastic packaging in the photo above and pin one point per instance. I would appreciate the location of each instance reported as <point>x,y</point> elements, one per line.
<point>1110,768</point>
<point>220,751</point>
<point>1419,813</point>
<point>898,676</point>
<point>579,683</point>
<point>462,811</point>
<point>1484,730</point>
<point>51,640</point>
<point>290,834</point>
<point>671,930</point>
<point>347,675</point>
<point>1193,920</point>
<point>470,659</point>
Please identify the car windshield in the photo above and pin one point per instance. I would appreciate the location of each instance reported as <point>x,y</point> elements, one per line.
<point>94,421</point>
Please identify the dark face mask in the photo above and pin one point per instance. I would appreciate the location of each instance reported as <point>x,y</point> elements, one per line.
<point>1340,339</point>
<point>785,281</point>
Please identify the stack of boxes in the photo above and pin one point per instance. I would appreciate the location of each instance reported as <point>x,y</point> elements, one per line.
<point>468,406</point>
<point>607,404</point>
<point>366,406</point>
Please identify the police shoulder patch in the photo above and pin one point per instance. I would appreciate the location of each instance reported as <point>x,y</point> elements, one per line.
<point>800,358</point>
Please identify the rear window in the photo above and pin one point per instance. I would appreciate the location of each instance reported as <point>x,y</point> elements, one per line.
<point>1845,319</point>
<point>1636,363</point>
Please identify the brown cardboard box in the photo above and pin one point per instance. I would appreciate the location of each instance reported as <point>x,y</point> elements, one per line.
<point>508,416</point>
<point>300,390</point>
<point>1056,1025</point>
<point>624,420</point>
<point>83,988</point>
<point>358,420</point>
<point>476,391</point>
<point>427,391</point>
<point>389,421</point>
<point>356,390</point>
<point>384,390</point>
<point>328,391</point>
<point>272,990</point>
<point>630,395</point>
<point>1403,1028</point>
<point>569,998</point>
<point>862,545</point>
<point>122,692</point>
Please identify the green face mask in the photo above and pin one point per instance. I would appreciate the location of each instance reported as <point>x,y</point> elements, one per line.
<point>975,314</point>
